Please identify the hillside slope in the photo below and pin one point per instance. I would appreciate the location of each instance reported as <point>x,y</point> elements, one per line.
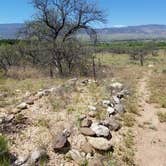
<point>9,31</point>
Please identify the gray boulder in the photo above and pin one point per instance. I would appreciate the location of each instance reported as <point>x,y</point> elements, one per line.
<point>116,99</point>
<point>112,124</point>
<point>119,108</point>
<point>60,142</point>
<point>100,130</point>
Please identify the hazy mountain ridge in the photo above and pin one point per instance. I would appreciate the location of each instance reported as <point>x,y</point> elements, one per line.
<point>10,31</point>
<point>145,29</point>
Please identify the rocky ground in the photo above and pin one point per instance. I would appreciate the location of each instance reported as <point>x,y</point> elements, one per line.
<point>40,133</point>
<point>85,122</point>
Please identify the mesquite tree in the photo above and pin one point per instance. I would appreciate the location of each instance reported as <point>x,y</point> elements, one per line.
<point>57,21</point>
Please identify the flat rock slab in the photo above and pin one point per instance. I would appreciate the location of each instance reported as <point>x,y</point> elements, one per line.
<point>87,131</point>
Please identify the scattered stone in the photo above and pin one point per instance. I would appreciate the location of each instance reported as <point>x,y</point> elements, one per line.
<point>72,82</point>
<point>119,108</point>
<point>92,114</point>
<point>60,143</point>
<point>85,82</point>
<point>3,95</point>
<point>82,117</point>
<point>87,148</point>
<point>92,108</point>
<point>47,92</point>
<point>106,103</point>
<point>110,110</point>
<point>87,131</point>
<point>40,94</point>
<point>30,102</point>
<point>150,65</point>
<point>100,143</point>
<point>9,118</point>
<point>76,156</point>
<point>37,155</point>
<point>86,123</point>
<point>22,106</point>
<point>116,99</point>
<point>112,124</point>
<point>2,120</point>
<point>116,86</point>
<point>95,162</point>
<point>21,160</point>
<point>100,130</point>
<point>122,93</point>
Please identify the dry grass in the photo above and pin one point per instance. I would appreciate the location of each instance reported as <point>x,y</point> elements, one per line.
<point>162,116</point>
<point>157,83</point>
<point>124,153</point>
<point>158,89</point>
<point>21,73</point>
<point>128,120</point>
<point>74,102</point>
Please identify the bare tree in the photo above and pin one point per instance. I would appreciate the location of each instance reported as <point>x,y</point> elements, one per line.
<point>57,21</point>
<point>63,18</point>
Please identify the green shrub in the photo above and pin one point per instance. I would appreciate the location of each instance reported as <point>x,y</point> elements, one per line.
<point>4,152</point>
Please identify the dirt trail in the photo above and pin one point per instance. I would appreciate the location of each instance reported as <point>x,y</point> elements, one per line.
<point>150,134</point>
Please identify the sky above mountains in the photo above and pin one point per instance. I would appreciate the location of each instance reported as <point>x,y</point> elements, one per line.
<point>119,12</point>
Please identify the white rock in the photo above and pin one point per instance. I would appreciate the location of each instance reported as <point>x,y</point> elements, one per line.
<point>150,65</point>
<point>116,85</point>
<point>105,103</point>
<point>116,99</point>
<point>100,143</point>
<point>100,130</point>
<point>36,155</point>
<point>21,160</point>
<point>92,108</point>
<point>22,106</point>
<point>110,110</point>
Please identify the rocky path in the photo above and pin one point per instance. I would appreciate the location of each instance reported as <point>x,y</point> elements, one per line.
<point>150,134</point>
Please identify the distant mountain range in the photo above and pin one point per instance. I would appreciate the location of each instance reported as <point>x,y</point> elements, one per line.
<point>10,31</point>
<point>133,32</point>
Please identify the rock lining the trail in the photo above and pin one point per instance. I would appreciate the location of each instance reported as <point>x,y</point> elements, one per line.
<point>96,132</point>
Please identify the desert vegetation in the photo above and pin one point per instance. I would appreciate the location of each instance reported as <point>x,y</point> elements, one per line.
<point>74,102</point>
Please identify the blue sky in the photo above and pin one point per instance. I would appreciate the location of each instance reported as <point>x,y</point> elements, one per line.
<point>119,12</point>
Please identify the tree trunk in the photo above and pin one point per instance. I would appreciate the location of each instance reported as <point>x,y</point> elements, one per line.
<point>51,71</point>
<point>141,60</point>
<point>94,68</point>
